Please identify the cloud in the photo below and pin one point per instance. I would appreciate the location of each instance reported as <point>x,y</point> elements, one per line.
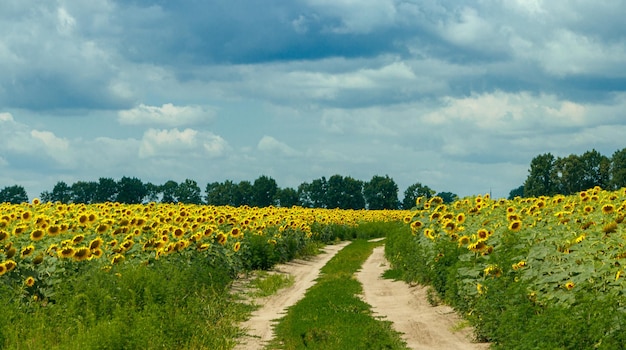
<point>186,143</point>
<point>271,145</point>
<point>167,115</point>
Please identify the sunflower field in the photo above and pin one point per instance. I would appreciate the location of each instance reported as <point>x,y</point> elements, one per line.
<point>81,274</point>
<point>529,273</point>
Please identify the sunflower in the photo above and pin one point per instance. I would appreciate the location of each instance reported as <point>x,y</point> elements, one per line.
<point>96,253</point>
<point>178,232</point>
<point>78,238</point>
<point>3,235</point>
<point>126,245</point>
<point>53,230</point>
<point>434,216</point>
<point>463,240</point>
<point>10,265</point>
<point>608,208</point>
<point>477,246</point>
<point>37,235</point>
<point>82,253</point>
<point>38,259</point>
<point>415,225</point>
<point>237,246</point>
<point>429,233</point>
<point>102,228</point>
<point>515,225</point>
<point>449,226</point>
<point>118,258</point>
<point>26,251</point>
<point>95,244</point>
<point>588,209</point>
<point>83,219</point>
<point>26,215</point>
<point>3,269</point>
<point>221,238</point>
<point>460,218</point>
<point>29,281</point>
<point>569,285</point>
<point>482,234</point>
<point>66,252</point>
<point>19,229</point>
<point>235,232</point>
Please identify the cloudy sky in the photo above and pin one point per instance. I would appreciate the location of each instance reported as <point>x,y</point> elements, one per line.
<point>456,95</point>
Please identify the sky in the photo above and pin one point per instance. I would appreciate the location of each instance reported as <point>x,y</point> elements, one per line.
<point>459,95</point>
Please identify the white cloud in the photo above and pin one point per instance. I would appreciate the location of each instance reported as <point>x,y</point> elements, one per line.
<point>184,144</point>
<point>509,112</point>
<point>167,114</point>
<point>65,22</point>
<point>566,53</point>
<point>358,16</point>
<point>271,145</point>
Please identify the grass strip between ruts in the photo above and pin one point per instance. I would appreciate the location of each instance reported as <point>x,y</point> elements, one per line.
<point>331,315</point>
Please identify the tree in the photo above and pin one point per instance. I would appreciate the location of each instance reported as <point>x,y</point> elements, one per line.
<point>618,169</point>
<point>244,193</point>
<point>84,191</point>
<point>313,195</point>
<point>61,192</point>
<point>448,197</point>
<point>381,193</point>
<point>263,191</point>
<point>152,192</point>
<point>540,180</point>
<point>189,192</point>
<point>344,193</point>
<point>168,190</point>
<point>596,170</point>
<point>516,192</point>
<point>130,190</point>
<point>13,194</point>
<point>287,197</point>
<point>106,190</point>
<point>413,192</point>
<point>570,174</point>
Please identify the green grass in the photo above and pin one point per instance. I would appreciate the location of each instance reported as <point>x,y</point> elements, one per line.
<point>160,306</point>
<point>266,284</point>
<point>331,315</point>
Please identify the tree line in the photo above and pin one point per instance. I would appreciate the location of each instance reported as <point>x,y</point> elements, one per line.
<point>549,175</point>
<point>343,192</point>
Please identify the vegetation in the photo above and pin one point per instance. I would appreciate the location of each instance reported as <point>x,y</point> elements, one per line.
<point>542,272</point>
<point>331,315</point>
<point>549,175</point>
<point>141,276</point>
<point>338,192</point>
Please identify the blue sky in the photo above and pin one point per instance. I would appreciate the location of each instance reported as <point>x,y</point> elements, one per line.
<point>456,95</point>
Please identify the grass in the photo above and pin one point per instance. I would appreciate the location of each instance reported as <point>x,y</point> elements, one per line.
<point>331,315</point>
<point>130,307</point>
<point>266,284</point>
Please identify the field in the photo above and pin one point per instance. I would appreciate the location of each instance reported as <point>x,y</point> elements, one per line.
<point>544,272</point>
<point>145,276</point>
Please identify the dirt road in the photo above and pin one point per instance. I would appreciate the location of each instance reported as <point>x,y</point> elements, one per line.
<point>423,326</point>
<point>259,326</point>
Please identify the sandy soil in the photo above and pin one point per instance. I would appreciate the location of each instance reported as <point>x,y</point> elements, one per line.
<point>423,326</point>
<point>259,326</point>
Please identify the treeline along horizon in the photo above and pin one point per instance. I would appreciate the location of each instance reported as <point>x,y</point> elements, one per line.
<point>549,175</point>
<point>342,192</point>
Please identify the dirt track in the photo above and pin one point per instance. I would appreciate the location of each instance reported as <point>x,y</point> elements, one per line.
<point>259,326</point>
<point>423,326</point>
